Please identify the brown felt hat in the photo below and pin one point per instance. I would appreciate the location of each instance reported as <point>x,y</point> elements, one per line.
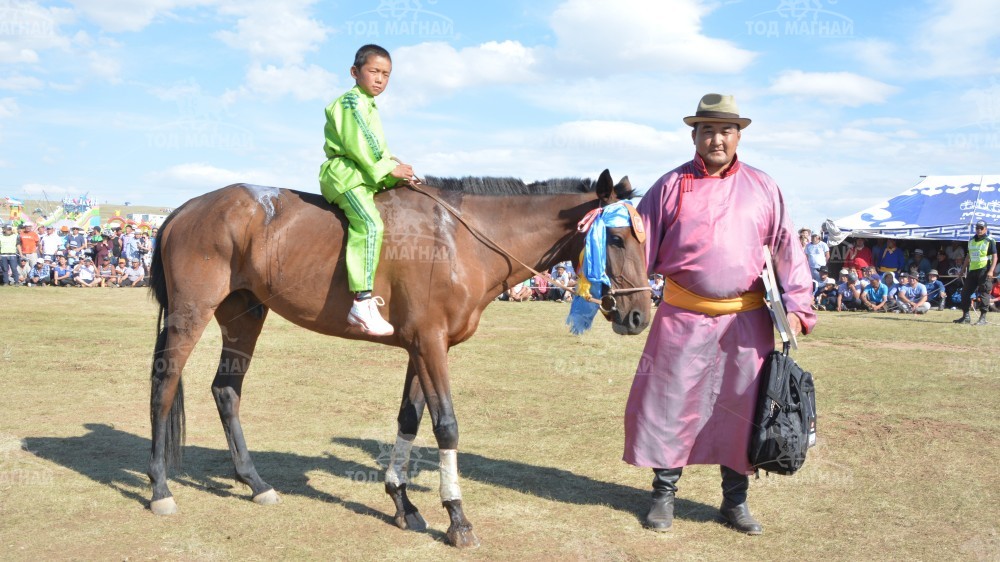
<point>717,108</point>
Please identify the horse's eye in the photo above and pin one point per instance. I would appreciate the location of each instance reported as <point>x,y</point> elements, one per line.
<point>616,241</point>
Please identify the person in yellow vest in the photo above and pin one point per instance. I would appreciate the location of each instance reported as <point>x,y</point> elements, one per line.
<point>980,264</point>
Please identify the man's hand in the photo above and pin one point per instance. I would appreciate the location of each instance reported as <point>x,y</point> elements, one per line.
<point>794,323</point>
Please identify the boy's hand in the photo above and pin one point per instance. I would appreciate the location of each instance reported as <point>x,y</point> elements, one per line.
<point>402,171</point>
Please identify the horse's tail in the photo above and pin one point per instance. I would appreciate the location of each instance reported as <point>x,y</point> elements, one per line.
<point>174,433</point>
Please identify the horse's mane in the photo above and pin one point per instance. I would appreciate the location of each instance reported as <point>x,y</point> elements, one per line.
<point>511,186</point>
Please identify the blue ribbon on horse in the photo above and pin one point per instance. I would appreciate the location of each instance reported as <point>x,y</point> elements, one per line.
<point>593,270</point>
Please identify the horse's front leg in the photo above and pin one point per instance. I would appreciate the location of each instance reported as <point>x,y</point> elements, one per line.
<point>410,412</point>
<point>432,369</point>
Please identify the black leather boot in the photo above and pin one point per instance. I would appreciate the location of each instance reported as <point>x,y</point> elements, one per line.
<point>982,319</point>
<point>965,319</point>
<point>661,514</point>
<point>734,507</point>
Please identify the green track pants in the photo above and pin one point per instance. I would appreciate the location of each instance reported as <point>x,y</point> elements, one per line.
<point>364,236</point>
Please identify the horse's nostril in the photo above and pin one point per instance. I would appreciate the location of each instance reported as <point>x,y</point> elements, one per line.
<point>635,319</point>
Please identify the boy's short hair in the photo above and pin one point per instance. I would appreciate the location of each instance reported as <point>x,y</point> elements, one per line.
<point>369,50</point>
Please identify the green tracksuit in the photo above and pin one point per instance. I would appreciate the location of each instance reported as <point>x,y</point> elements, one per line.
<point>358,166</point>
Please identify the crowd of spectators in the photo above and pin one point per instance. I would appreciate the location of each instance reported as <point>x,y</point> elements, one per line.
<point>114,257</point>
<point>884,277</point>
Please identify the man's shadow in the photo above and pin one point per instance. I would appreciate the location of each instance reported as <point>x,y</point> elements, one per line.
<point>119,460</point>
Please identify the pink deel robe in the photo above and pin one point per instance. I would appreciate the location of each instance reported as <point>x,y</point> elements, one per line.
<point>695,390</point>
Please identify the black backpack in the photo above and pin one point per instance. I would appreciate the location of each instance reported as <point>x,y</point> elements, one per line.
<point>785,420</point>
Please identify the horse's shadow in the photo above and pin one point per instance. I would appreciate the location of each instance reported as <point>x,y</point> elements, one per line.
<point>118,460</point>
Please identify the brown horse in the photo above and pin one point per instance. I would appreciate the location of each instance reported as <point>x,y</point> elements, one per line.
<point>243,250</point>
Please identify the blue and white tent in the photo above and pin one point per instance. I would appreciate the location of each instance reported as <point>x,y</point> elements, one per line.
<point>937,208</point>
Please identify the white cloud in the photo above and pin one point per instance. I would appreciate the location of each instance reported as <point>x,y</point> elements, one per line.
<point>8,107</point>
<point>20,83</point>
<point>27,28</point>
<point>104,66</point>
<point>281,31</point>
<point>835,88</point>
<point>957,37</point>
<point>304,83</point>
<point>646,35</point>
<point>47,190</point>
<point>205,176</point>
<point>433,69</point>
<point>130,15</point>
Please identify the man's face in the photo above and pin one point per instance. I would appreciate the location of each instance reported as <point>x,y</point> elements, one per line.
<point>876,283</point>
<point>716,144</point>
<point>912,280</point>
<point>980,230</point>
<point>373,76</point>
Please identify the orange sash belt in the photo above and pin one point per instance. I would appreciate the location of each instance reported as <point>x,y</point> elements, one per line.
<point>680,297</point>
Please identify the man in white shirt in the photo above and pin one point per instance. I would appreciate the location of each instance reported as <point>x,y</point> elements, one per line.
<point>818,254</point>
<point>51,242</point>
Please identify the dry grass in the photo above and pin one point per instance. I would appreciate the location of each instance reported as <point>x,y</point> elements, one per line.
<point>905,469</point>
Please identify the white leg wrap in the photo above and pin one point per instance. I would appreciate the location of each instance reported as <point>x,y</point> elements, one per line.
<point>449,475</point>
<point>395,473</point>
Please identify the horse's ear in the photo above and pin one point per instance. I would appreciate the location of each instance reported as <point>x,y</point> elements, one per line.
<point>624,188</point>
<point>605,188</point>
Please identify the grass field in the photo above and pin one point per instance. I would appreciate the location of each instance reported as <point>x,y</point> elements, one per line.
<point>905,468</point>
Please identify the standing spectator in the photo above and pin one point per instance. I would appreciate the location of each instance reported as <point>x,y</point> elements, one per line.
<point>41,274</point>
<point>849,294</point>
<point>876,296</point>
<point>23,271</point>
<point>29,242</point>
<point>78,237</point>
<point>51,242</point>
<point>891,259</point>
<point>913,295</point>
<point>858,257</point>
<point>804,237</point>
<point>133,276</point>
<point>8,255</point>
<point>145,248</point>
<point>63,273</point>
<point>656,284</point>
<point>995,295</point>
<point>116,244</point>
<point>130,245</point>
<point>694,393</point>
<point>95,236</point>
<point>818,253</point>
<point>979,265</point>
<point>936,293</point>
<point>101,249</point>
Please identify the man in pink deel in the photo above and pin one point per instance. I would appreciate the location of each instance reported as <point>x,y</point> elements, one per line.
<point>695,390</point>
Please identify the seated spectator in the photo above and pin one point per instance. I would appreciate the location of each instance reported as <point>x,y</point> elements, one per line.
<point>937,295</point>
<point>85,274</point>
<point>826,295</point>
<point>956,253</point>
<point>539,288</point>
<point>557,293</point>
<point>995,295</point>
<point>133,276</point>
<point>876,296</point>
<point>913,296</point>
<point>942,262</point>
<point>41,274</point>
<point>520,292</point>
<point>858,257</point>
<point>889,280</point>
<point>848,294</point>
<point>120,267</point>
<point>62,274</point>
<point>73,255</point>
<point>23,271</point>
<point>919,263</point>
<point>107,274</point>
<point>656,284</point>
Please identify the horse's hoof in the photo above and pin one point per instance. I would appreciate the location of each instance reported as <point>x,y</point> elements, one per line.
<point>164,506</point>
<point>411,522</point>
<point>269,497</point>
<point>462,537</point>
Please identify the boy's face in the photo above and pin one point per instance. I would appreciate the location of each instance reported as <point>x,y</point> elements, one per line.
<point>373,76</point>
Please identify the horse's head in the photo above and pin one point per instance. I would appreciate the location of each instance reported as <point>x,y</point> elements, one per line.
<point>627,303</point>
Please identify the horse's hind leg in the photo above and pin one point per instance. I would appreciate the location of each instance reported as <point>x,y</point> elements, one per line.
<point>241,317</point>
<point>410,412</point>
<point>174,345</point>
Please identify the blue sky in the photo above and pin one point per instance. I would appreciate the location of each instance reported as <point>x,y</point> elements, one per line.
<point>157,101</point>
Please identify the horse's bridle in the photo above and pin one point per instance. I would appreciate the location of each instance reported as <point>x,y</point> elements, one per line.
<point>606,304</point>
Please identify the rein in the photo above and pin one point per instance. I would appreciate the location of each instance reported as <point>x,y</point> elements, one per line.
<point>605,307</point>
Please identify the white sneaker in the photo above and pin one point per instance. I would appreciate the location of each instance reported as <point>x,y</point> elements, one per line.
<point>365,315</point>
